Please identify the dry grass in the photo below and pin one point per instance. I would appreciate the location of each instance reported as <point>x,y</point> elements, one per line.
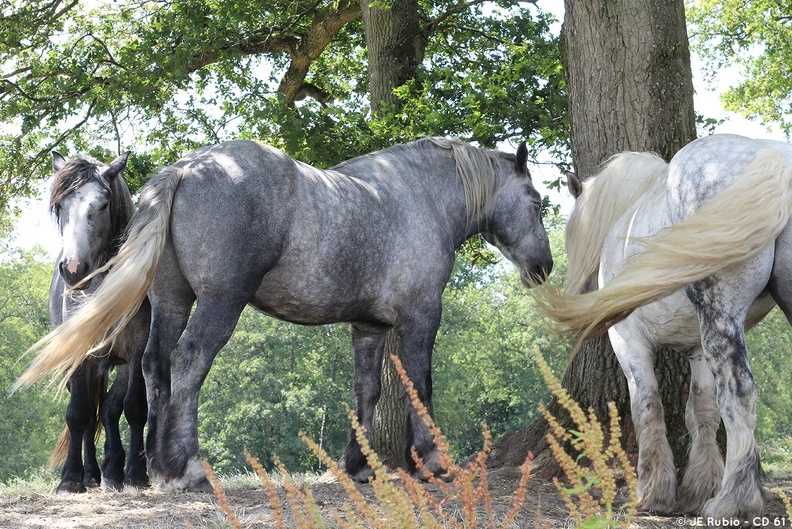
<point>461,498</point>
<point>592,476</point>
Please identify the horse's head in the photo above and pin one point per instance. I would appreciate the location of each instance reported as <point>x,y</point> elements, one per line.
<point>514,223</point>
<point>82,202</point>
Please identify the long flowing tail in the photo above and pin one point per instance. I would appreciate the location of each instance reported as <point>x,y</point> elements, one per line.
<point>105,314</point>
<point>732,227</point>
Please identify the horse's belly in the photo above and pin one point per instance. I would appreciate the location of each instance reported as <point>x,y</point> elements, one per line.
<point>312,301</point>
<point>673,322</point>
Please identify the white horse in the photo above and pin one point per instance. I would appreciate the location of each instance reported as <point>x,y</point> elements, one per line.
<point>687,255</point>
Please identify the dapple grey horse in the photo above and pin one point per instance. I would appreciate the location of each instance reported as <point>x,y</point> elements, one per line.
<point>371,243</point>
<point>92,207</point>
<point>688,255</point>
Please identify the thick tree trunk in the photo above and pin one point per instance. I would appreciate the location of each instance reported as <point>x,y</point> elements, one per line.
<point>395,47</point>
<point>629,82</point>
<point>395,44</point>
<point>390,414</point>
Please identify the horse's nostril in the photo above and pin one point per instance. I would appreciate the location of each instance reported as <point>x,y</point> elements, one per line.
<point>73,271</point>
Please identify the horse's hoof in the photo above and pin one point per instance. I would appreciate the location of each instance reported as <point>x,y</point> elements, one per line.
<point>201,486</point>
<point>112,484</point>
<point>657,508</point>
<point>70,487</point>
<point>137,483</point>
<point>364,475</point>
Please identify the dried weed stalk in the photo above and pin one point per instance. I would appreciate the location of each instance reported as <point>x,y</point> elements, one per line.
<point>592,475</point>
<point>785,499</point>
<point>402,500</point>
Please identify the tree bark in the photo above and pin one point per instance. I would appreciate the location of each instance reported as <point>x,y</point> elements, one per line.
<point>629,82</point>
<point>395,44</point>
<point>395,47</point>
<point>390,414</point>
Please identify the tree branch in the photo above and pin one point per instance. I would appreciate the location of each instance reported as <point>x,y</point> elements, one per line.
<point>433,24</point>
<point>325,26</point>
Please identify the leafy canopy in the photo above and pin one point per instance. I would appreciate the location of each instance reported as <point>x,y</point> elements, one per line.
<point>162,77</point>
<point>755,37</point>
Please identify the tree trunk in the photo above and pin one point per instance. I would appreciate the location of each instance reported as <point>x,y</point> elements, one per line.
<point>395,47</point>
<point>395,44</point>
<point>390,417</point>
<point>629,82</point>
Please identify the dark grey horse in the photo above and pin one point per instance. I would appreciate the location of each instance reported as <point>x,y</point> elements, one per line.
<point>371,243</point>
<point>92,206</point>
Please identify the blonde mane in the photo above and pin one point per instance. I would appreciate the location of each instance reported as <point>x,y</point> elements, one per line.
<point>479,171</point>
<point>607,196</point>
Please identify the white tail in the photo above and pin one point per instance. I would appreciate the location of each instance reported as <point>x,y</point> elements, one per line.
<point>130,273</point>
<point>606,197</point>
<point>739,223</point>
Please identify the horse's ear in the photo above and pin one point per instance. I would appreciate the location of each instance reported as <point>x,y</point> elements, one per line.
<point>58,161</point>
<point>116,166</point>
<point>574,184</point>
<point>521,164</point>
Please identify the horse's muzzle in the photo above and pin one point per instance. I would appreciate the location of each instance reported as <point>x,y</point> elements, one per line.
<point>74,275</point>
<point>536,276</point>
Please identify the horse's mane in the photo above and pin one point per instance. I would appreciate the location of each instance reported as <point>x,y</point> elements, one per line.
<point>623,179</point>
<point>83,170</point>
<point>478,169</point>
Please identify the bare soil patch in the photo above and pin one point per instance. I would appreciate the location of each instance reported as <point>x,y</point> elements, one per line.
<point>153,509</point>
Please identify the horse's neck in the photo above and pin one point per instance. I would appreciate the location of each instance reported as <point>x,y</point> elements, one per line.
<point>449,197</point>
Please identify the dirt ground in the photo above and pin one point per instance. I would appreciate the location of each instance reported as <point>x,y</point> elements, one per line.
<point>158,510</point>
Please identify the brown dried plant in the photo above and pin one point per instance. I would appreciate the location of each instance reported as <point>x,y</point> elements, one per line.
<point>592,476</point>
<point>785,499</point>
<point>401,499</point>
<point>222,501</point>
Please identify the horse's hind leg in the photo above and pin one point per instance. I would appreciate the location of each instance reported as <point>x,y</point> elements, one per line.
<point>656,470</point>
<point>721,303</point>
<point>207,332</point>
<point>704,470</point>
<point>112,407</point>
<point>171,301</point>
<point>368,342</point>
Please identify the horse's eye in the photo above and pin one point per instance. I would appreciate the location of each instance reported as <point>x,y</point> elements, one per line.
<point>104,206</point>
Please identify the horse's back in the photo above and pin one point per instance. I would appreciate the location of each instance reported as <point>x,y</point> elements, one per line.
<point>705,167</point>
<point>302,244</point>
<point>697,173</point>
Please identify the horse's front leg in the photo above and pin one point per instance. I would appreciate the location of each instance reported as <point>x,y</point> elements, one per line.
<point>721,304</point>
<point>418,336</point>
<point>368,343</point>
<point>656,471</point>
<point>112,407</point>
<point>81,422</point>
<point>135,407</point>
